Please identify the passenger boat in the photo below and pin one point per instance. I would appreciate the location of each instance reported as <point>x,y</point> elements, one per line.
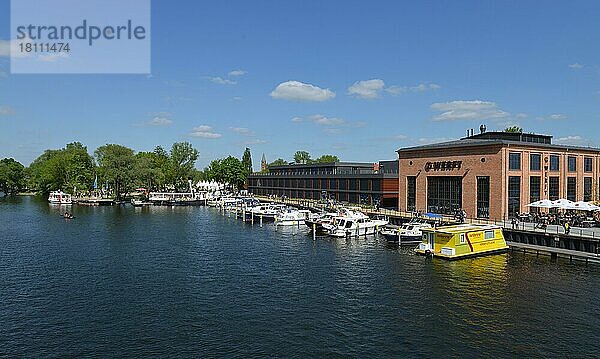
<point>292,217</point>
<point>59,197</point>
<point>463,240</point>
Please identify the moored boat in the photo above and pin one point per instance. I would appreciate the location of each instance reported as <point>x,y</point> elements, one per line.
<point>463,240</point>
<point>59,197</point>
<point>292,217</point>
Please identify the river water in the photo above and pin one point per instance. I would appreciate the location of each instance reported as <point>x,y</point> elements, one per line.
<point>187,281</point>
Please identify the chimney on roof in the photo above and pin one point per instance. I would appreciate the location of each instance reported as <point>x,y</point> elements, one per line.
<point>482,129</point>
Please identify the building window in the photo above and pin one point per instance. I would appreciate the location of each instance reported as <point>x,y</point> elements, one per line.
<point>514,195</point>
<point>572,189</point>
<point>535,162</point>
<point>572,164</point>
<point>411,193</point>
<point>554,163</point>
<point>587,189</point>
<point>444,194</point>
<point>587,164</point>
<point>534,188</point>
<point>514,161</point>
<point>553,189</point>
<point>483,197</point>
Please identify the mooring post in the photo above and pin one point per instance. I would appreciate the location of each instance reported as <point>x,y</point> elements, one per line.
<point>260,220</point>
<point>314,231</point>
<point>252,215</point>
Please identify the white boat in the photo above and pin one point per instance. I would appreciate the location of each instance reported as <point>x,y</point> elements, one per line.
<point>292,217</point>
<point>351,227</point>
<point>408,232</point>
<point>59,197</point>
<point>268,210</point>
<point>380,220</point>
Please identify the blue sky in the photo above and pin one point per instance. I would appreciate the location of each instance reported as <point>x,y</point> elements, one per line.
<point>352,78</point>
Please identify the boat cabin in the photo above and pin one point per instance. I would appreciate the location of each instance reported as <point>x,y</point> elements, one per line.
<point>463,240</point>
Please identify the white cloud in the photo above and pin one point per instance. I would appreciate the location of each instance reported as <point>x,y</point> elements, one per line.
<point>521,115</point>
<point>468,110</point>
<point>576,66</point>
<point>242,131</point>
<point>326,121</point>
<point>425,87</point>
<point>160,119</point>
<point>205,131</point>
<point>222,81</point>
<point>553,117</point>
<point>10,48</point>
<point>370,89</point>
<point>6,111</point>
<point>571,140</point>
<point>254,142</point>
<point>236,73</point>
<point>367,89</point>
<point>395,90</point>
<point>297,119</point>
<point>298,91</point>
<point>52,57</point>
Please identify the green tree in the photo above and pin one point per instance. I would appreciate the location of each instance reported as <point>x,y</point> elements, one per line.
<point>247,161</point>
<point>12,176</point>
<point>147,172</point>
<point>278,162</point>
<point>327,159</point>
<point>115,164</point>
<point>228,170</point>
<point>162,162</point>
<point>513,129</point>
<point>183,158</point>
<point>65,169</point>
<point>302,157</point>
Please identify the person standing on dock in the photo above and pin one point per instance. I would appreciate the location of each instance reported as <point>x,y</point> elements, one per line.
<point>567,227</point>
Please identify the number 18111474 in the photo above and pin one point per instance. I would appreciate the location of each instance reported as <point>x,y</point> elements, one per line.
<point>51,47</point>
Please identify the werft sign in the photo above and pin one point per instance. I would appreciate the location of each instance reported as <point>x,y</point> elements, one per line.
<point>443,166</point>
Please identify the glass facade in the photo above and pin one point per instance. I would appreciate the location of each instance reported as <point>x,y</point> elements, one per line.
<point>587,189</point>
<point>411,193</point>
<point>554,163</point>
<point>553,188</point>
<point>444,194</point>
<point>514,161</point>
<point>514,195</point>
<point>572,189</point>
<point>483,197</point>
<point>572,164</point>
<point>587,164</point>
<point>535,162</point>
<point>534,188</point>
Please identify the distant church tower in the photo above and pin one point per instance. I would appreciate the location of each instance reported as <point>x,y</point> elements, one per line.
<point>263,163</point>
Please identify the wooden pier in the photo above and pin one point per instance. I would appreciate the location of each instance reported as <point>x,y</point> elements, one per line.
<point>554,252</point>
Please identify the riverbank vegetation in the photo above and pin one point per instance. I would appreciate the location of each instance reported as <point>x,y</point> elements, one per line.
<point>118,170</point>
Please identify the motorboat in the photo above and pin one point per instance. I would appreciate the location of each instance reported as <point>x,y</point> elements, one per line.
<point>59,197</point>
<point>408,233</point>
<point>351,227</point>
<point>322,223</point>
<point>292,217</point>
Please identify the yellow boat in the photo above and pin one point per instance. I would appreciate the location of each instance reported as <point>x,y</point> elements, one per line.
<point>463,240</point>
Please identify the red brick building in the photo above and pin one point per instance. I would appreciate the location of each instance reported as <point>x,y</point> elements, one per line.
<point>495,174</point>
